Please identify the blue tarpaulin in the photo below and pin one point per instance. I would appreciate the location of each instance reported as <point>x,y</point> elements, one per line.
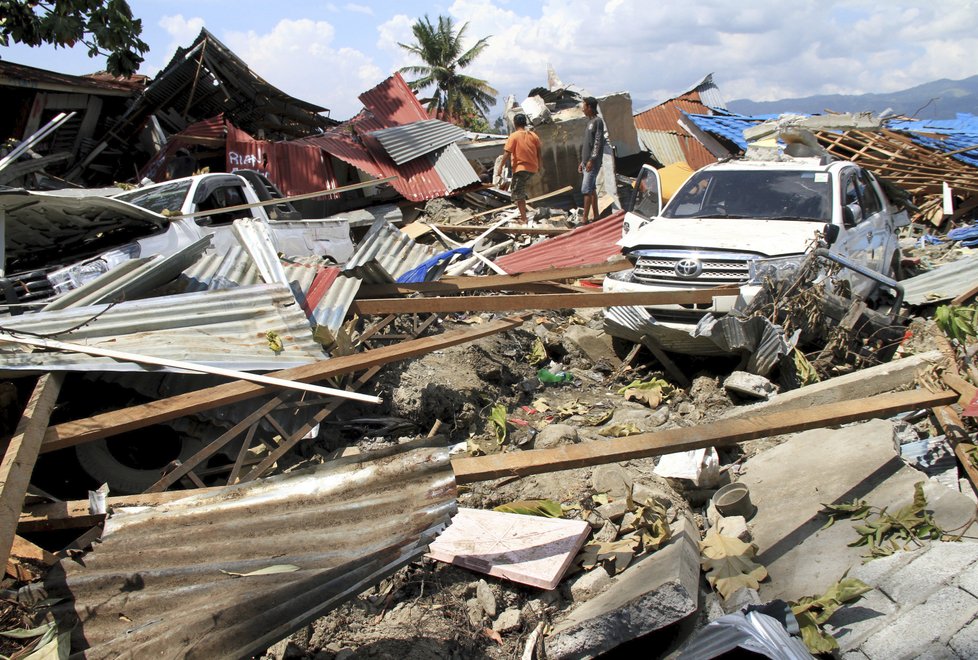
<point>429,270</point>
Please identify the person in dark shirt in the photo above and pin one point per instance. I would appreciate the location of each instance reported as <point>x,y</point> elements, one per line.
<point>591,153</point>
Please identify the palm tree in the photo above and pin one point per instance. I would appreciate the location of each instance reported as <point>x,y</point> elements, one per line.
<point>456,97</point>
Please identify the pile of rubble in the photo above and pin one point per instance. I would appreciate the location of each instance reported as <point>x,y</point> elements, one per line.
<point>357,410</point>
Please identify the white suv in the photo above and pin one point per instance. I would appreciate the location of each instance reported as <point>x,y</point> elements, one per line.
<point>731,222</point>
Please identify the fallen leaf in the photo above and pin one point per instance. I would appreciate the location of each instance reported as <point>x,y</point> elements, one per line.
<point>620,430</point>
<point>493,635</point>
<point>729,564</point>
<point>543,508</point>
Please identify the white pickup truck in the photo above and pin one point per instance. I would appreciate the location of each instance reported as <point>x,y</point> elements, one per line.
<point>733,222</point>
<point>66,238</point>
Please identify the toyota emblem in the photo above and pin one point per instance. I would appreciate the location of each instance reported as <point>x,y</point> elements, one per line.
<point>689,268</point>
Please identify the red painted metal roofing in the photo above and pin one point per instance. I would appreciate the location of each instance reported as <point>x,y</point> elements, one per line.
<point>295,168</point>
<point>665,117</point>
<point>590,244</point>
<point>22,75</point>
<point>391,103</point>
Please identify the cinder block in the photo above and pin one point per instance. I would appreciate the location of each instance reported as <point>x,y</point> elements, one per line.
<point>924,629</point>
<point>856,621</point>
<point>875,571</point>
<point>939,565</point>
<point>965,642</point>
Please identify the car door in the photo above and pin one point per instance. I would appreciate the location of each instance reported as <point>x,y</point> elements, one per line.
<point>861,238</point>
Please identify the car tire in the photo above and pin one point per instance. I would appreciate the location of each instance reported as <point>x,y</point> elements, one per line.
<point>128,476</point>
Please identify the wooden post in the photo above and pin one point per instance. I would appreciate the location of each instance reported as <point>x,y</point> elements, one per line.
<point>18,460</point>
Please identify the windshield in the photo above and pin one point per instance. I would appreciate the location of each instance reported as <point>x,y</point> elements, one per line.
<point>166,197</point>
<point>774,195</point>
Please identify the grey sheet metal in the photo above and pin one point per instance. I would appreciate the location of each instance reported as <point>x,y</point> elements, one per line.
<point>386,253</point>
<point>941,284</point>
<point>453,167</point>
<point>331,310</point>
<point>221,328</point>
<point>254,236</point>
<point>158,584</point>
<point>410,141</point>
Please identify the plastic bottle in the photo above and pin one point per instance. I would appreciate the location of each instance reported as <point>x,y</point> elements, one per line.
<point>551,378</point>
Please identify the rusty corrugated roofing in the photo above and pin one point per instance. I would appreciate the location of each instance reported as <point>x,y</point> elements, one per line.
<point>392,103</point>
<point>101,84</point>
<point>665,116</point>
<point>158,583</point>
<point>594,243</point>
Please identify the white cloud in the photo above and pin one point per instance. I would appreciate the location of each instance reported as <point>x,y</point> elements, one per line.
<point>181,32</point>
<point>300,58</point>
<point>359,9</point>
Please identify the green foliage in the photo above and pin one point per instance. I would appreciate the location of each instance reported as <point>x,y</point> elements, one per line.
<point>457,98</point>
<point>882,532</point>
<point>958,322</point>
<point>106,27</point>
<point>498,418</point>
<point>813,612</point>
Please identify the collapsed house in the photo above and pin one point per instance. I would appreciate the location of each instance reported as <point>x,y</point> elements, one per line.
<point>220,374</point>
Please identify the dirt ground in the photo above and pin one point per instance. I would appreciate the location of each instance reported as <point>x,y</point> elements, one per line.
<point>433,610</point>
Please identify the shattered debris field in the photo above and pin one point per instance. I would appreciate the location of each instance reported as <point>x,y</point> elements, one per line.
<point>327,394</point>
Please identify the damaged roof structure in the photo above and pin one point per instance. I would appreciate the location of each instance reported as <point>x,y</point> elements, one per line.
<point>284,422</point>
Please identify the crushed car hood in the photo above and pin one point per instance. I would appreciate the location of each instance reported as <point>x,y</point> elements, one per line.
<point>50,229</point>
<point>768,237</point>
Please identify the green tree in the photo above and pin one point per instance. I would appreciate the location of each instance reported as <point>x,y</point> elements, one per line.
<point>457,98</point>
<point>106,27</point>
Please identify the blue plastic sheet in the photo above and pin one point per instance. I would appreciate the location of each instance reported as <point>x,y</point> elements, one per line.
<point>432,268</point>
<point>967,235</point>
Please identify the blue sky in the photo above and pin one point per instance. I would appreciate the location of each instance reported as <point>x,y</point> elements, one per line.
<point>329,52</point>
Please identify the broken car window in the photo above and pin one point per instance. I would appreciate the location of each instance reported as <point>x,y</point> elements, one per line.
<point>168,197</point>
<point>791,195</point>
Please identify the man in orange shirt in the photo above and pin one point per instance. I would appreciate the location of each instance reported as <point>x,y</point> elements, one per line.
<point>523,152</point>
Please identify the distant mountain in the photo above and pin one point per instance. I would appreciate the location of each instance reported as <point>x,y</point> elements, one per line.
<point>941,99</point>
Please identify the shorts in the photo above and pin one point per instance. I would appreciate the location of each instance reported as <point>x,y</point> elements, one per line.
<point>518,191</point>
<point>589,183</point>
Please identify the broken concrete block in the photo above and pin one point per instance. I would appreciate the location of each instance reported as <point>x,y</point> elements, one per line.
<point>925,629</point>
<point>554,435</point>
<point>740,599</point>
<point>590,584</point>
<point>487,599</point>
<point>965,642</point>
<point>701,466</point>
<point>656,591</point>
<point>749,385</point>
<point>611,479</point>
<point>853,624</point>
<point>594,344</point>
<point>735,526</point>
<point>474,611</point>
<point>508,621</point>
<point>929,571</point>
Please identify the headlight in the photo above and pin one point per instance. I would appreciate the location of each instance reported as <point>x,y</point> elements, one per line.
<point>781,268</point>
<point>74,276</point>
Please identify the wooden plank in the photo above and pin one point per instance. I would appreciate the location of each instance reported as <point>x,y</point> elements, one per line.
<point>959,439</point>
<point>961,386</point>
<point>20,456</point>
<point>503,303</point>
<point>24,549</point>
<point>717,434</point>
<point>448,285</point>
<point>75,513</point>
<point>73,433</point>
<point>511,229</point>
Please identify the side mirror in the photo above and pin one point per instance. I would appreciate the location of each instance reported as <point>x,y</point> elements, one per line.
<point>851,214</point>
<point>831,233</point>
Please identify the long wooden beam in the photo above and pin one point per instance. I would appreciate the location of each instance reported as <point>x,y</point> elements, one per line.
<point>104,425</point>
<point>511,229</point>
<point>448,285</point>
<point>717,434</point>
<point>20,456</point>
<point>505,303</point>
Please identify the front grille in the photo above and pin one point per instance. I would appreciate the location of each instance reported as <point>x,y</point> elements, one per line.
<point>715,269</point>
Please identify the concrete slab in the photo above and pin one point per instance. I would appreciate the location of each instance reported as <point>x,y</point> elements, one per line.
<point>526,549</point>
<point>789,484</point>
<point>655,592</point>
<point>925,629</point>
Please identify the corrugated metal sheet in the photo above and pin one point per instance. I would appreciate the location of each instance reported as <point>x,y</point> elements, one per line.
<point>392,103</point>
<point>20,75</point>
<point>665,116</point>
<point>219,328</point>
<point>331,308</point>
<point>634,323</point>
<point>404,143</point>
<point>385,253</point>
<point>941,284</point>
<point>254,235</point>
<point>453,167</point>
<point>665,147</point>
<point>591,244</point>
<point>132,279</point>
<point>709,93</point>
<point>215,272</point>
<point>156,585</point>
<point>295,168</point>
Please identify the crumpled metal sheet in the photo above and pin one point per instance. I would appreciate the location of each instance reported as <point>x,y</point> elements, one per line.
<point>386,253</point>
<point>756,335</point>
<point>753,631</point>
<point>157,585</point>
<point>216,328</point>
<point>942,283</point>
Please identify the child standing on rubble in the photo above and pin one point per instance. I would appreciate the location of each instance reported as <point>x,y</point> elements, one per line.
<point>523,150</point>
